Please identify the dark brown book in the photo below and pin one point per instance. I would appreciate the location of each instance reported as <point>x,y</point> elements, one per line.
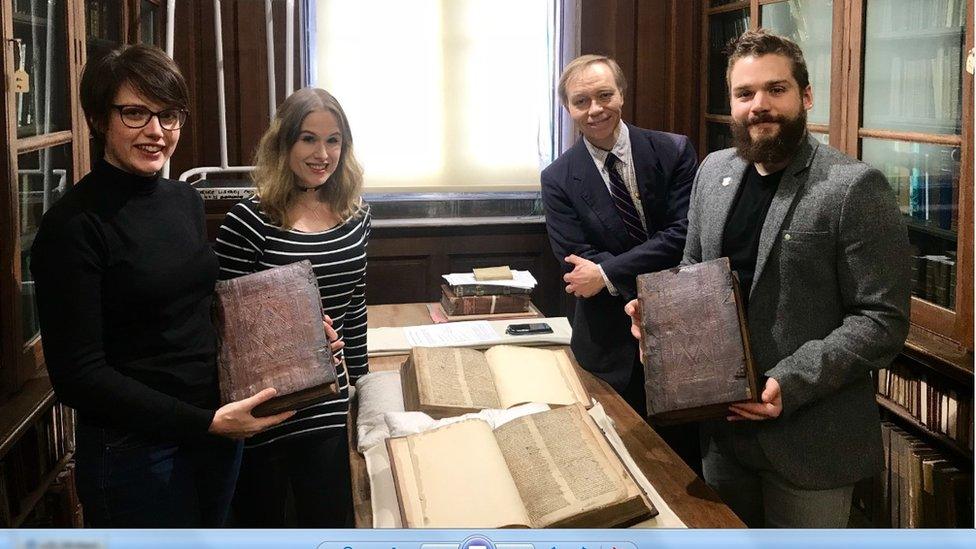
<point>487,289</point>
<point>269,326</point>
<point>695,343</point>
<point>482,304</point>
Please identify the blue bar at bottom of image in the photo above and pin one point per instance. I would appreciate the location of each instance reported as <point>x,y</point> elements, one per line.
<point>484,539</point>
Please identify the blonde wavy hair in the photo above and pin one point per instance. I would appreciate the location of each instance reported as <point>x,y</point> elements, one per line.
<point>275,181</point>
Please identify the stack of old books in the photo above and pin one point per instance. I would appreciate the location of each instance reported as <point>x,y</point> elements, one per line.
<point>487,292</point>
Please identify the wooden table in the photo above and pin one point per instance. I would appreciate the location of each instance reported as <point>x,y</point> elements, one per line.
<point>697,505</point>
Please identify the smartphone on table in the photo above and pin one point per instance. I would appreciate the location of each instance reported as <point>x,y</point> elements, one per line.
<point>528,329</point>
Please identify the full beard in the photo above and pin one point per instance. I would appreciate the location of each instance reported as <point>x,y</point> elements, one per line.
<point>770,149</point>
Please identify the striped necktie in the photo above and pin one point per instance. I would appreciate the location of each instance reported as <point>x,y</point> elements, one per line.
<point>623,202</point>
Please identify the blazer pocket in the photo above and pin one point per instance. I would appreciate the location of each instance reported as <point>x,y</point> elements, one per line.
<point>790,236</point>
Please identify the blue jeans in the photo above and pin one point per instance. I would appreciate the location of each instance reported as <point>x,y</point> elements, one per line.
<point>137,480</point>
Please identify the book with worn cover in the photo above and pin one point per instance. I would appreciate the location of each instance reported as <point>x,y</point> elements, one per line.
<point>549,469</point>
<point>462,290</point>
<point>695,343</point>
<point>450,381</point>
<point>269,327</point>
<point>455,305</point>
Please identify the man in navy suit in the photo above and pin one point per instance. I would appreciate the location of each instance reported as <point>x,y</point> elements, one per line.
<point>616,206</point>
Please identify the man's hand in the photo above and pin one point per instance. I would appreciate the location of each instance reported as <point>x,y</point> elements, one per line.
<point>585,280</point>
<point>770,407</point>
<point>632,308</point>
<point>234,420</point>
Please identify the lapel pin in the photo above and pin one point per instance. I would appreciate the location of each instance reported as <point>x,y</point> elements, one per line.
<point>726,181</point>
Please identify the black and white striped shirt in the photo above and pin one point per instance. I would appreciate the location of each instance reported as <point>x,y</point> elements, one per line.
<point>248,242</point>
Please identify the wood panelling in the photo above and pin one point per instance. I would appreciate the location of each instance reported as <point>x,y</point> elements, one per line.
<point>245,78</point>
<point>406,263</point>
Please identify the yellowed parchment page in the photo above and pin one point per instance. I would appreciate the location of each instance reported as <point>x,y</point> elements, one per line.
<point>455,477</point>
<point>524,374</point>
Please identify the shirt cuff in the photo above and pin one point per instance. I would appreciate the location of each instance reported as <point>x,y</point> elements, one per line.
<point>606,281</point>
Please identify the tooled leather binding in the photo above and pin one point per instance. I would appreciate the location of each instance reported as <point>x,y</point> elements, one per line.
<point>695,342</point>
<point>269,326</point>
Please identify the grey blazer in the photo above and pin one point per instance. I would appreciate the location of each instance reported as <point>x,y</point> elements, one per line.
<point>828,305</point>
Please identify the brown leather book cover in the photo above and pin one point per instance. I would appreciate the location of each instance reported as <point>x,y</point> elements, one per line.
<point>482,304</point>
<point>269,326</point>
<point>695,343</point>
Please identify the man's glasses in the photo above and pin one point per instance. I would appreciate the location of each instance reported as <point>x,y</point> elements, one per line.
<point>137,116</point>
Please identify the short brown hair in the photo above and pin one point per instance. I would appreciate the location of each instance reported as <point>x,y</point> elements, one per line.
<point>273,176</point>
<point>583,61</point>
<point>759,42</point>
<point>146,68</point>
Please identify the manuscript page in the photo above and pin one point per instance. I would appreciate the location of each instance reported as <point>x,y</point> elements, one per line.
<point>559,465</point>
<point>523,374</point>
<point>454,377</point>
<point>455,477</point>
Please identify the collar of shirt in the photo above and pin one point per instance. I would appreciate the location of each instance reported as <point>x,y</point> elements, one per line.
<point>621,149</point>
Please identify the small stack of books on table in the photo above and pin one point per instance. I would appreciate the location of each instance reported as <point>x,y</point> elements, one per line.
<point>465,295</point>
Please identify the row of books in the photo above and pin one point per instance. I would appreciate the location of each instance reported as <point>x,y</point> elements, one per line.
<point>927,190</point>
<point>921,487</point>
<point>932,401</point>
<point>924,87</point>
<point>915,15</point>
<point>26,466</point>
<point>934,278</point>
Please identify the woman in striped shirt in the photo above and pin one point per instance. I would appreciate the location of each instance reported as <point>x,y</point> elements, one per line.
<point>307,206</point>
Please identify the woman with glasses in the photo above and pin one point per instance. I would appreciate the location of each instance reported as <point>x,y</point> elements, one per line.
<point>307,206</point>
<point>124,277</point>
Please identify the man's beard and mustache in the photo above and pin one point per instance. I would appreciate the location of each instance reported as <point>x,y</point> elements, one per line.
<point>772,149</point>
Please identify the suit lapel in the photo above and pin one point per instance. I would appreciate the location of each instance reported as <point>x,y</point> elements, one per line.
<point>726,192</point>
<point>782,204</point>
<point>647,169</point>
<point>594,192</point>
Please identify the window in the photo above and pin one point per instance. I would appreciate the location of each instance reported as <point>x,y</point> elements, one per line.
<point>446,95</point>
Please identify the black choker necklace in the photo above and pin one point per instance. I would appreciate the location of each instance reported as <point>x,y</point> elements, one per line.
<point>309,189</point>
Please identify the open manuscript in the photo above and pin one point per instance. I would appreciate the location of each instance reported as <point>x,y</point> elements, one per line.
<point>550,469</point>
<point>450,381</point>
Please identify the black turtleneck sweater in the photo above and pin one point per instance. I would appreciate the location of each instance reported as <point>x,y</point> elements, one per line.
<point>124,277</point>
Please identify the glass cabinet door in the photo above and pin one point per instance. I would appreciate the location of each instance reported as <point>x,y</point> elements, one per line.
<point>41,97</point>
<point>911,127</point>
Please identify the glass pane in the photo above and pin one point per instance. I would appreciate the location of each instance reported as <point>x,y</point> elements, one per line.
<point>718,136</point>
<point>821,137</point>
<point>809,24</point>
<point>913,66</point>
<point>722,29</point>
<point>147,23</point>
<point>103,22</point>
<point>40,54</point>
<point>42,177</point>
<point>925,180</point>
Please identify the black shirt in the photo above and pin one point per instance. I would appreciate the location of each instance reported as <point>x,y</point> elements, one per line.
<point>740,242</point>
<point>124,277</point>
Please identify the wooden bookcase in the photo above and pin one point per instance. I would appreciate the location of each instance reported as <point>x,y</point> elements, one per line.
<point>890,87</point>
<point>47,148</point>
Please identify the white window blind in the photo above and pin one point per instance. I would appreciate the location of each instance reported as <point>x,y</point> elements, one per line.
<point>443,95</point>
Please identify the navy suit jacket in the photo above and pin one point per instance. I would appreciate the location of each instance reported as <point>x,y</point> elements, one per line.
<point>581,219</point>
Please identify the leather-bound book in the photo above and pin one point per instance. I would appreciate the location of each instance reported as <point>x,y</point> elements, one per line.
<point>269,326</point>
<point>695,343</point>
<point>455,305</point>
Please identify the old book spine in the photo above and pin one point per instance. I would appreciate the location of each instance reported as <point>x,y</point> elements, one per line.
<point>487,289</point>
<point>483,305</point>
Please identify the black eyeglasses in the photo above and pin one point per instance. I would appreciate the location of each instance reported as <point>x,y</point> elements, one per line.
<point>137,116</point>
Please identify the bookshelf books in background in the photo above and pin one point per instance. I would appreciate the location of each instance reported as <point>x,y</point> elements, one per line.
<point>934,278</point>
<point>31,470</point>
<point>926,188</point>
<point>934,403</point>
<point>920,487</point>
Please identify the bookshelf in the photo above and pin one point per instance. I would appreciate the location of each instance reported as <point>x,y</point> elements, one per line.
<point>890,87</point>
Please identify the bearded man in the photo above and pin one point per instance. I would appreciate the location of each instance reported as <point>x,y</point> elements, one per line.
<point>821,252</point>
